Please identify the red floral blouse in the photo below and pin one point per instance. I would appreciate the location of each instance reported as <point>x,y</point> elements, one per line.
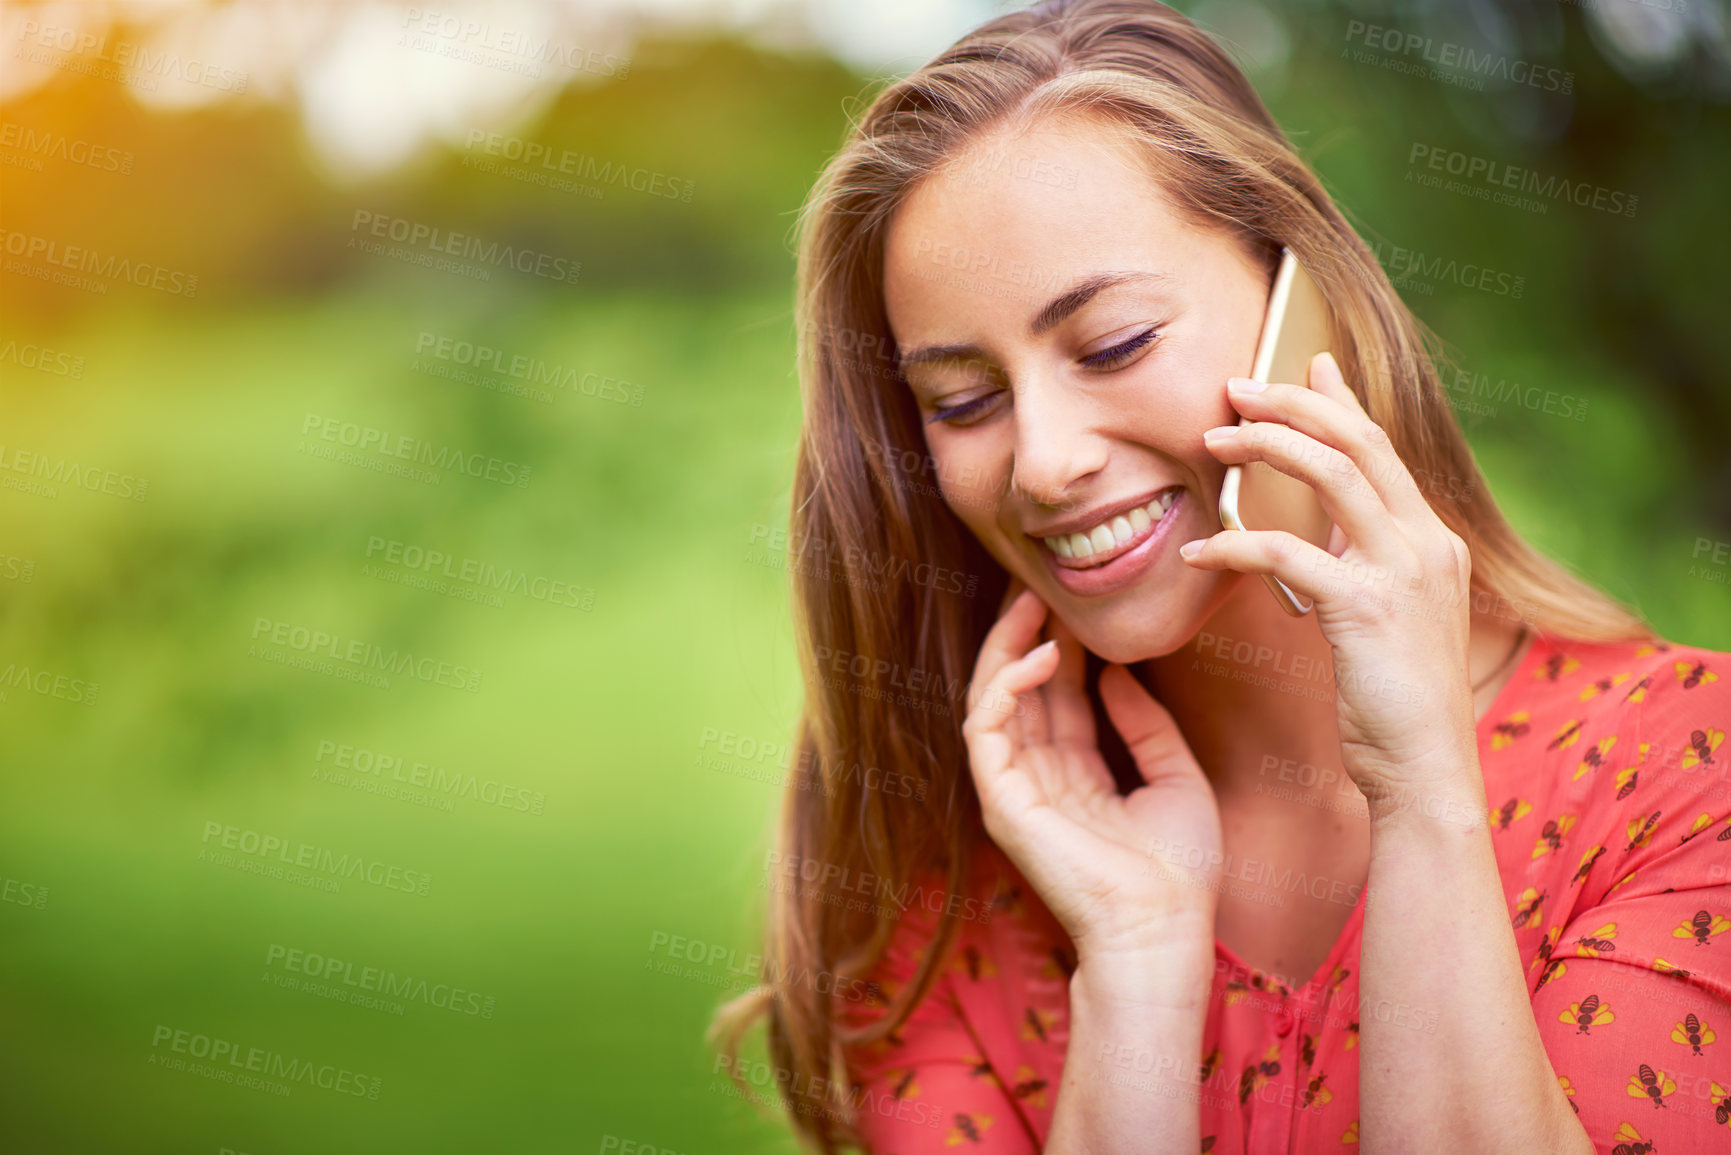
<point>1610,799</point>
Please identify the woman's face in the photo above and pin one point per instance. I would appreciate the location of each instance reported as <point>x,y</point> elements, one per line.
<point>1068,337</point>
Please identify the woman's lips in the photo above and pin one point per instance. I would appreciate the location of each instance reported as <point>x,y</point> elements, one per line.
<point>1086,577</point>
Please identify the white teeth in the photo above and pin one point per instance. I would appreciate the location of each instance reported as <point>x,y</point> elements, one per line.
<point>1113,533</point>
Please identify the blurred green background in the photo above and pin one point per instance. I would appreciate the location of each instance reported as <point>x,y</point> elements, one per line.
<point>123,920</point>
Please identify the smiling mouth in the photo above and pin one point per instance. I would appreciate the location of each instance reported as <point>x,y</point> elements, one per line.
<point>1099,544</point>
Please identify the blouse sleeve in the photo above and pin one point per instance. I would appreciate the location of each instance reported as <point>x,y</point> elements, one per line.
<point>1635,1005</point>
<point>926,1088</point>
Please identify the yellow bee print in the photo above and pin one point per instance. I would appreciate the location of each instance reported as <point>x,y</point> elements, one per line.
<point>1603,686</point>
<point>1505,732</point>
<point>975,964</point>
<point>1693,1033</point>
<point>1567,736</point>
<point>1593,855</point>
<point>1586,1014</point>
<point>1527,907</point>
<point>1640,831</point>
<point>1546,948</point>
<point>1702,822</point>
<point>1556,666</point>
<point>1210,1063</point>
<point>1702,743</point>
<point>1256,1075</point>
<point>1029,1086</point>
<point>1693,674</point>
<point>1036,1023</point>
<point>1629,1142</point>
<point>1646,1083</point>
<point>1351,1036</point>
<point>902,1084</point>
<point>1702,927</point>
<point>1598,943</point>
<point>1551,834</point>
<point>1509,813</point>
<point>1666,968</point>
<point>1594,757</point>
<point>1350,1135</point>
<point>1556,970</point>
<point>1569,1090</point>
<point>1315,1094</point>
<point>1721,1103</point>
<point>1639,692</point>
<point>968,1129</point>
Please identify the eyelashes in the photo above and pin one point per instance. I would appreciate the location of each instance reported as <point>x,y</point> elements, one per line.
<point>1106,359</point>
<point>1116,355</point>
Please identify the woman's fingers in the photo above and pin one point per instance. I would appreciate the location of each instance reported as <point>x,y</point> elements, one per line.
<point>1011,636</point>
<point>1147,728</point>
<point>989,730</point>
<point>1072,719</point>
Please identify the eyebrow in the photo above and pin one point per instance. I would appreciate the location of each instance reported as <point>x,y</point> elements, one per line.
<point>1057,310</point>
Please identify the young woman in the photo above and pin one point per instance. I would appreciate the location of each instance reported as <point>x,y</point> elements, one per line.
<point>1439,866</point>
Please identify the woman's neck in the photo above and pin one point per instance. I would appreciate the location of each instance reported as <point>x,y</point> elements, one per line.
<point>1252,660</point>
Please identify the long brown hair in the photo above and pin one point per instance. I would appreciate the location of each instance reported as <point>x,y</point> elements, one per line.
<point>894,595</point>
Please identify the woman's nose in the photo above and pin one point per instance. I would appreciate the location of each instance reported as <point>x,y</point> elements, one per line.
<point>1057,445</point>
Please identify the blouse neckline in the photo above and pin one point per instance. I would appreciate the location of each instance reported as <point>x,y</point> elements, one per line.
<point>1517,680</point>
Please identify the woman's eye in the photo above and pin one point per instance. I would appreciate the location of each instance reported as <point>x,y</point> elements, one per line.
<point>1119,354</point>
<point>953,414</point>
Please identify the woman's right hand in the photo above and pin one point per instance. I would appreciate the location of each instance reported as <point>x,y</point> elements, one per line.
<point>1131,876</point>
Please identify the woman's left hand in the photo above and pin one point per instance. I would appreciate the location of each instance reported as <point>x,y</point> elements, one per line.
<point>1391,592</point>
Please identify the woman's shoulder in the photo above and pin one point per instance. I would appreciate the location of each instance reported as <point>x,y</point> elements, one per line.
<point>1607,760</point>
<point>1571,689</point>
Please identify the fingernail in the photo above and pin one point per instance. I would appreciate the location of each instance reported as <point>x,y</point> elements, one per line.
<point>1218,432</point>
<point>1244,385</point>
<point>1043,647</point>
<point>1189,548</point>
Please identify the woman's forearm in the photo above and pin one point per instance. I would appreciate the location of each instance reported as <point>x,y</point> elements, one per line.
<point>1130,1070</point>
<point>1451,1056</point>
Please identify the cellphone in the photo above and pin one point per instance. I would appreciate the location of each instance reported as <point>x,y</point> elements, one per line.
<point>1257,495</point>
